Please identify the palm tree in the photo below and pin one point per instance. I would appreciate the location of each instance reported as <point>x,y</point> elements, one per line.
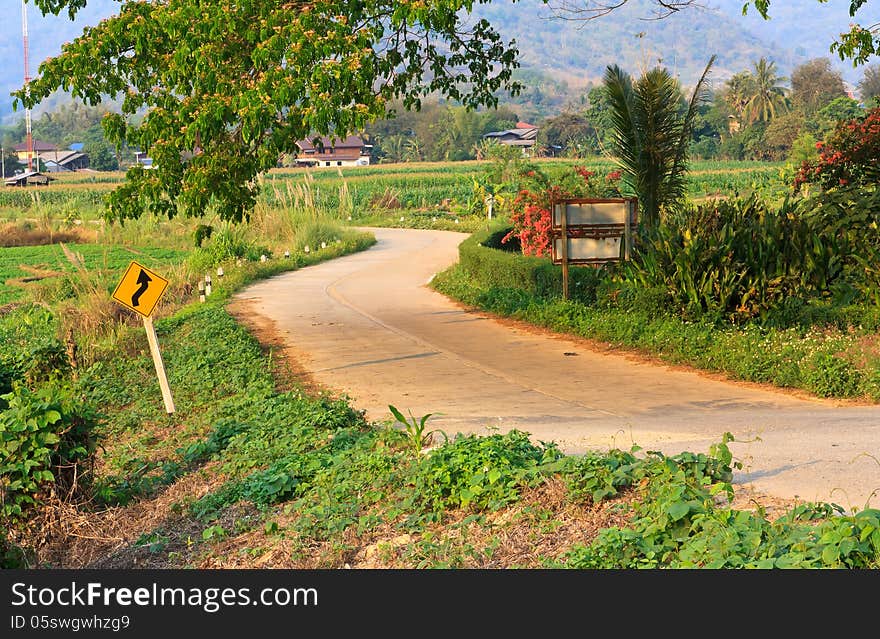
<point>768,97</point>
<point>650,135</point>
<point>737,91</point>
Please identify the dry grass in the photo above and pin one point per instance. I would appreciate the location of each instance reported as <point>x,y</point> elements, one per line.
<point>105,538</point>
<point>24,235</point>
<point>542,525</point>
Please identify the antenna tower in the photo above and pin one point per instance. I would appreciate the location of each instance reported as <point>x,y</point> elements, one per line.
<point>29,140</point>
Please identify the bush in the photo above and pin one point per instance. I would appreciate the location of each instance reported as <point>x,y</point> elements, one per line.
<point>479,473</point>
<point>829,375</point>
<point>849,156</point>
<point>47,439</point>
<point>738,259</point>
<point>227,244</point>
<point>494,268</point>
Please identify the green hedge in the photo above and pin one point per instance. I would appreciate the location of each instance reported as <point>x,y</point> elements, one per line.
<point>496,268</point>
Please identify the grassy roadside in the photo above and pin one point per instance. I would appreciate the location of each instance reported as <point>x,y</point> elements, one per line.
<point>253,471</point>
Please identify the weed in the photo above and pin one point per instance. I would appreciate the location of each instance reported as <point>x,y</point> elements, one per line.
<point>415,431</point>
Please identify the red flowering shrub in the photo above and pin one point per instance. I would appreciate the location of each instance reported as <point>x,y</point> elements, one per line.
<point>850,155</point>
<point>531,208</point>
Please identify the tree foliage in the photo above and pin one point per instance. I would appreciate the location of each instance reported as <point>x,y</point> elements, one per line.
<point>869,85</point>
<point>767,97</point>
<point>231,85</point>
<point>814,84</point>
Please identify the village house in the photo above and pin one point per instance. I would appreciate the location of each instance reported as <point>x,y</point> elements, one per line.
<point>65,161</point>
<point>41,150</point>
<point>352,151</point>
<point>53,159</point>
<point>524,135</point>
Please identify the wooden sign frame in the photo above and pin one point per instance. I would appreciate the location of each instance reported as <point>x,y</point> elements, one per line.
<point>562,229</point>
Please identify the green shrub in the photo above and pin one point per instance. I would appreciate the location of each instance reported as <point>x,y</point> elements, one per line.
<point>496,268</point>
<point>830,375</point>
<point>478,473</point>
<point>313,232</point>
<point>30,350</point>
<point>227,244</point>
<point>738,259</point>
<point>47,439</point>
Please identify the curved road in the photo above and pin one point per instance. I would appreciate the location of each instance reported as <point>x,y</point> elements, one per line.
<point>368,326</point>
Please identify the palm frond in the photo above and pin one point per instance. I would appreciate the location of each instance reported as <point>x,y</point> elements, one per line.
<point>625,135</point>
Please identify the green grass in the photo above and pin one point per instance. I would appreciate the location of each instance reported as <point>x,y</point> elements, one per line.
<point>824,360</point>
<point>51,257</point>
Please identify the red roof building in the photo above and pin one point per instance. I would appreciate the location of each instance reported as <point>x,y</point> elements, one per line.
<point>352,151</point>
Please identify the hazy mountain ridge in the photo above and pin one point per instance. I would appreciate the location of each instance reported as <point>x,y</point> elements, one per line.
<point>573,51</point>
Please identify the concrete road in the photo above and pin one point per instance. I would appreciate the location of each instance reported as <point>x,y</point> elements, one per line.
<point>368,326</point>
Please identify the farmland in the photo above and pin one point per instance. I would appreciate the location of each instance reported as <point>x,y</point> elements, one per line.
<point>409,186</point>
<point>261,467</point>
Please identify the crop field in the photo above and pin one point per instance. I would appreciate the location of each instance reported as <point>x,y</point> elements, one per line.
<point>23,265</point>
<point>360,191</point>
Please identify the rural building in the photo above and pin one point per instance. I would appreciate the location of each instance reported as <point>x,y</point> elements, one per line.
<point>42,150</point>
<point>28,178</point>
<point>53,159</point>
<point>352,151</point>
<point>65,161</point>
<point>143,159</point>
<point>524,135</point>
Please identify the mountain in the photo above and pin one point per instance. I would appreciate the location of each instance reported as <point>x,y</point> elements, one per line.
<point>570,53</point>
<point>46,34</point>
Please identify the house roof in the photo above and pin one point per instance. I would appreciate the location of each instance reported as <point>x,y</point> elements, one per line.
<point>28,176</point>
<point>525,125</point>
<point>39,146</point>
<point>65,157</point>
<point>514,134</point>
<point>350,142</point>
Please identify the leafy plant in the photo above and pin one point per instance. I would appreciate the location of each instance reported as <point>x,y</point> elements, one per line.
<point>478,473</point>
<point>417,435</point>
<point>47,439</point>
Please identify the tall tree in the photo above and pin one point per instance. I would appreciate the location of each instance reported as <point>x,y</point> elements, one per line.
<point>869,85</point>
<point>651,135</point>
<point>814,84</point>
<point>738,90</point>
<point>232,85</point>
<point>768,96</point>
<point>566,130</point>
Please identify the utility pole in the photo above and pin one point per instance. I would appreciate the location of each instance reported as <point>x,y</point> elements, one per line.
<point>29,140</point>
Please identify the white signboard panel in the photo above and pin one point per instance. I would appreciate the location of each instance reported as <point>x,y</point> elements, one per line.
<point>588,248</point>
<point>591,213</point>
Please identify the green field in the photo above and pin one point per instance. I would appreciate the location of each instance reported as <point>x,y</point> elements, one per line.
<point>51,259</point>
<point>359,191</point>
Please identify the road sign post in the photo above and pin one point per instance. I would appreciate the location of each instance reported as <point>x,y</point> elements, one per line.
<point>139,291</point>
<point>160,366</point>
<point>591,231</point>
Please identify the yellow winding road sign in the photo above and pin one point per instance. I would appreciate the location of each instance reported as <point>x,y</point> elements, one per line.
<point>140,289</point>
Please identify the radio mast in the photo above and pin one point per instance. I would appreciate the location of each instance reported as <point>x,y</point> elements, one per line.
<point>29,140</point>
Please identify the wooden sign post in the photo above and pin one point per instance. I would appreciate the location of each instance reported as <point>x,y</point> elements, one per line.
<point>160,366</point>
<point>591,231</point>
<point>139,291</point>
